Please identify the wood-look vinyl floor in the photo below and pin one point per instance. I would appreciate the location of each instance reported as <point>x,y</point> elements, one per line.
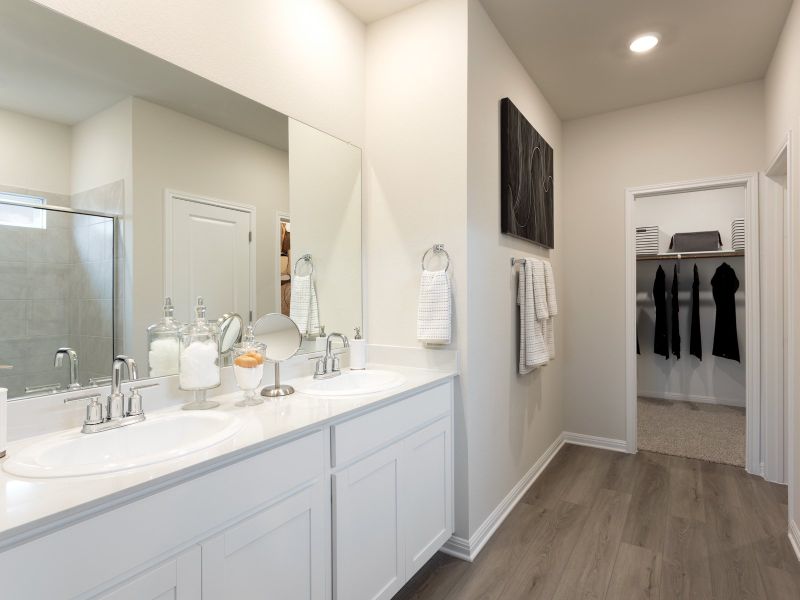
<point>605,525</point>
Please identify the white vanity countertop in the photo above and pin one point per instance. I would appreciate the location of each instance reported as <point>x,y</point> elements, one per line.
<point>32,507</point>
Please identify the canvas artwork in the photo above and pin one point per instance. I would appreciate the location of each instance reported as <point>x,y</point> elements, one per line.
<point>526,163</point>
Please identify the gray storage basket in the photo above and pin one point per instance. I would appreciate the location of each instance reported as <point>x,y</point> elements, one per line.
<point>696,241</point>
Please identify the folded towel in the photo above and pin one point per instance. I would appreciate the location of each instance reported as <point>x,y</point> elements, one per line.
<point>533,351</point>
<point>552,308</point>
<point>303,307</point>
<point>434,316</point>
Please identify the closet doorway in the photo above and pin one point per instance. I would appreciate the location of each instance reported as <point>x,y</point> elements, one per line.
<point>695,388</point>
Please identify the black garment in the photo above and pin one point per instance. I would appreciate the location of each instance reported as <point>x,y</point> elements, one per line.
<point>676,331</point>
<point>724,285</point>
<point>695,340</point>
<point>660,341</point>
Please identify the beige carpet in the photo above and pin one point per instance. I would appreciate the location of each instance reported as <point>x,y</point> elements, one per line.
<point>706,431</point>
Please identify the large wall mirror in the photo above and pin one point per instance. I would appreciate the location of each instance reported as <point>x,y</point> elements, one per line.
<point>125,180</point>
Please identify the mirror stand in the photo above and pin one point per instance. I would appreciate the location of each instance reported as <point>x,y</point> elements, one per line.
<point>277,390</point>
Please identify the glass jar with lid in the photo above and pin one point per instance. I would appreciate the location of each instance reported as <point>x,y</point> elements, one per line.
<point>163,341</point>
<point>199,360</point>
<point>248,367</point>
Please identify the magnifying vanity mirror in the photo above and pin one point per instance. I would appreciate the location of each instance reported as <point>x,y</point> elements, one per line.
<point>230,333</point>
<point>282,339</point>
<point>128,180</point>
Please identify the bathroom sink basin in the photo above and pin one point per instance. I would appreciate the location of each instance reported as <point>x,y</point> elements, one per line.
<point>157,439</point>
<point>351,383</point>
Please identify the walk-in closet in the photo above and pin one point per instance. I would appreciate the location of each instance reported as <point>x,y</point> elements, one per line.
<point>691,317</point>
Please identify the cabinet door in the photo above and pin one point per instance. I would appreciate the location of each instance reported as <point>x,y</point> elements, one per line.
<point>427,493</point>
<point>278,553</point>
<point>176,579</point>
<point>367,539</point>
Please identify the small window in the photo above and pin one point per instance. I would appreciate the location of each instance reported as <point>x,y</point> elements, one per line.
<point>22,216</point>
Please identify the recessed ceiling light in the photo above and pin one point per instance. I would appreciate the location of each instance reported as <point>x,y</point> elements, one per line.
<point>644,43</point>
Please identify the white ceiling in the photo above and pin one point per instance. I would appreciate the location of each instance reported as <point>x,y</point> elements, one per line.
<point>55,68</point>
<point>374,10</point>
<point>577,50</point>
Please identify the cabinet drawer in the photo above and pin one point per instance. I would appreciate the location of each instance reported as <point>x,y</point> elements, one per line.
<point>359,436</point>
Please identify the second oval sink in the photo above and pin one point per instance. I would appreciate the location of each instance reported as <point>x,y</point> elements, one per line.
<point>352,383</point>
<point>157,439</point>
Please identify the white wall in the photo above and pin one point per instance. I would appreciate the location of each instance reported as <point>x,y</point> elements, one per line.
<point>716,380</point>
<point>712,134</point>
<point>304,58</point>
<point>416,178</point>
<point>173,151</point>
<point>782,99</point>
<point>34,153</point>
<point>325,212</point>
<point>510,419</point>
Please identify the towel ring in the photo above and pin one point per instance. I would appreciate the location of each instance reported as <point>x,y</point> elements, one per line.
<point>436,249</point>
<point>305,258</point>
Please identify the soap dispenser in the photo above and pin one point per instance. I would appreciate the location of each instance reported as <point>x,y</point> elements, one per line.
<point>199,360</point>
<point>358,351</point>
<point>163,340</point>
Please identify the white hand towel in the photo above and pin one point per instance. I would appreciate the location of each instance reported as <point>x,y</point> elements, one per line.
<point>434,315</point>
<point>550,284</point>
<point>303,306</point>
<point>552,308</point>
<point>532,347</point>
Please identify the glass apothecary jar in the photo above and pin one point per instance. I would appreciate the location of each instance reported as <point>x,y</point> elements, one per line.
<point>163,343</point>
<point>248,367</point>
<point>199,359</point>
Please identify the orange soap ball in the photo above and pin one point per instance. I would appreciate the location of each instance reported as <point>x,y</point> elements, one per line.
<point>246,361</point>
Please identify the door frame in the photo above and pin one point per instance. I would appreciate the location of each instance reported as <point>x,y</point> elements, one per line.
<point>280,217</point>
<point>170,196</point>
<point>752,305</point>
<point>783,156</point>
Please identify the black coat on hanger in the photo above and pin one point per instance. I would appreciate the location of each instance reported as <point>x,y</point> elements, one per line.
<point>660,341</point>
<point>695,340</point>
<point>676,330</point>
<point>724,285</point>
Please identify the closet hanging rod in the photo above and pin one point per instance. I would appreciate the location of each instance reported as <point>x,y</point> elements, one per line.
<point>691,255</point>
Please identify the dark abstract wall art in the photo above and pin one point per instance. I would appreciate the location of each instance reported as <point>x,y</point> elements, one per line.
<point>526,167</point>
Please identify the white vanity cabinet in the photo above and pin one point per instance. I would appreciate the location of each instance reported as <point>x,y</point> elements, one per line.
<point>347,510</point>
<point>176,579</point>
<point>273,554</point>
<point>392,493</point>
<point>256,524</point>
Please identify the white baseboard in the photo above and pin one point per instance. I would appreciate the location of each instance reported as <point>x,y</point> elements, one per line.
<point>693,398</point>
<point>469,549</point>
<point>794,537</point>
<point>581,439</point>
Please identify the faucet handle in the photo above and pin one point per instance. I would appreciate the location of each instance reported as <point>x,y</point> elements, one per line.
<point>135,401</point>
<point>94,410</point>
<point>133,388</point>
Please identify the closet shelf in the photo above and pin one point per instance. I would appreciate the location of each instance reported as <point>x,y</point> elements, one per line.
<point>691,255</point>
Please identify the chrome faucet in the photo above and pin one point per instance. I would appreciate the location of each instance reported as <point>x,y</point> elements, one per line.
<point>74,384</point>
<point>114,413</point>
<point>328,365</point>
<point>116,401</point>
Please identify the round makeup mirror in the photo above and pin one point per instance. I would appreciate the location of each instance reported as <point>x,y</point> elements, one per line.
<point>230,331</point>
<point>283,339</point>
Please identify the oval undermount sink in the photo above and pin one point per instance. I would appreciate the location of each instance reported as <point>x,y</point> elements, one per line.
<point>157,439</point>
<point>351,383</point>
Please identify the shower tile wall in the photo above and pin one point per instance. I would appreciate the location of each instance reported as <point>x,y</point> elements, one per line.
<point>35,275</point>
<point>56,289</point>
